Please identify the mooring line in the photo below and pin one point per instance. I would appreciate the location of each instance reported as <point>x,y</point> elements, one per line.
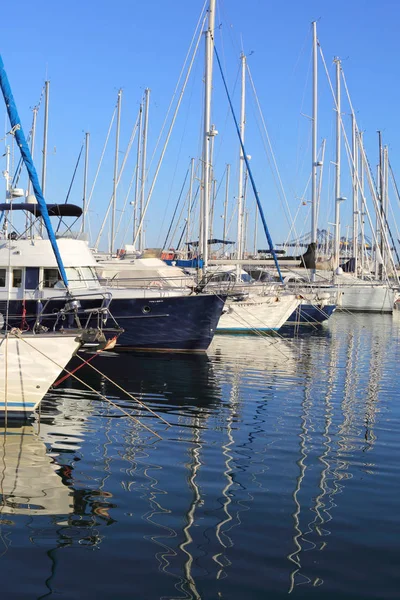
<point>93,390</point>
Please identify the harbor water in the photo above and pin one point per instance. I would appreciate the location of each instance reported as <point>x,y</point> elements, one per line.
<point>279,474</point>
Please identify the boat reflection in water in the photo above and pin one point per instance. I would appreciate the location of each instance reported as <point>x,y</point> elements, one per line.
<point>30,482</point>
<point>269,471</point>
<point>336,434</point>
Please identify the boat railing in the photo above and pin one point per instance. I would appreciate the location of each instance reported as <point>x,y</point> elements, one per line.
<point>148,283</point>
<point>70,313</point>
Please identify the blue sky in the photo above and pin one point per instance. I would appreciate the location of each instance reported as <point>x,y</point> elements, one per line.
<point>90,49</point>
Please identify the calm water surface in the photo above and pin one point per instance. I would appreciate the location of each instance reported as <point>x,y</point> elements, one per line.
<point>279,474</point>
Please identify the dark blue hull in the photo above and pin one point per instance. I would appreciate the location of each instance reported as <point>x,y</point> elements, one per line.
<point>179,323</point>
<point>310,314</point>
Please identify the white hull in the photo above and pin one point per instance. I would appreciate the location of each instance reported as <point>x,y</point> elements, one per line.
<point>27,370</point>
<point>262,313</point>
<point>366,298</point>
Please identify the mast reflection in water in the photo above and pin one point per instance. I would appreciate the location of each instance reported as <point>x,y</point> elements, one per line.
<point>278,475</point>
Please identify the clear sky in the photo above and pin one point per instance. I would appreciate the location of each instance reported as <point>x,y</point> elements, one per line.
<point>90,49</point>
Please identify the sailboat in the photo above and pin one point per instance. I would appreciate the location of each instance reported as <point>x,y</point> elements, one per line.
<point>31,360</point>
<point>267,309</point>
<point>366,294</point>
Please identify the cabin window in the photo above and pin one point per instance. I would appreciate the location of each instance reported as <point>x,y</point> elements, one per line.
<point>88,274</point>
<point>50,277</point>
<point>74,277</point>
<point>218,277</point>
<point>2,278</point>
<point>17,278</point>
<point>31,278</point>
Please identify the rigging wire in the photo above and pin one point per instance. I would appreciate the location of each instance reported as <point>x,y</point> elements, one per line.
<point>368,171</point>
<point>120,173</point>
<point>101,160</point>
<point>70,185</point>
<point>132,178</point>
<point>266,230</point>
<point>275,164</point>
<point>169,132</point>
<point>176,208</point>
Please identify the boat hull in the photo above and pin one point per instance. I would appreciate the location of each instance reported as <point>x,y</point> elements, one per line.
<point>28,367</point>
<point>178,323</point>
<point>367,298</point>
<point>257,314</point>
<point>311,314</point>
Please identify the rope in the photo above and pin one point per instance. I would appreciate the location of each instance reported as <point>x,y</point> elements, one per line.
<point>95,391</point>
<point>65,377</point>
<point>128,394</point>
<point>24,324</point>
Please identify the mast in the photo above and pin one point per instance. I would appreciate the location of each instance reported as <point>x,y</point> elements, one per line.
<point>143,175</point>
<point>380,220</point>
<point>33,136</point>
<point>314,138</point>
<point>355,192</point>
<point>385,204</point>
<point>338,159</point>
<point>228,169</point>
<point>115,179</point>
<point>7,173</point>
<point>212,181</point>
<point>29,219</point>
<point>85,177</point>
<point>240,198</point>
<point>138,155</point>
<point>45,129</point>
<point>255,231</point>
<point>205,196</point>
<point>362,220</point>
<point>189,203</point>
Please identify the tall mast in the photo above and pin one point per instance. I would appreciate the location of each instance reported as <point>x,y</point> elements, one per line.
<point>314,137</point>
<point>338,159</point>
<point>205,196</point>
<point>33,136</point>
<point>137,181</point>
<point>85,178</point>
<point>381,192</point>
<point>189,203</point>
<point>355,192</point>
<point>143,174</point>
<point>228,169</point>
<point>212,181</point>
<point>362,222</point>
<point>255,231</point>
<point>115,180</point>
<point>385,204</point>
<point>240,198</point>
<point>45,129</point>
